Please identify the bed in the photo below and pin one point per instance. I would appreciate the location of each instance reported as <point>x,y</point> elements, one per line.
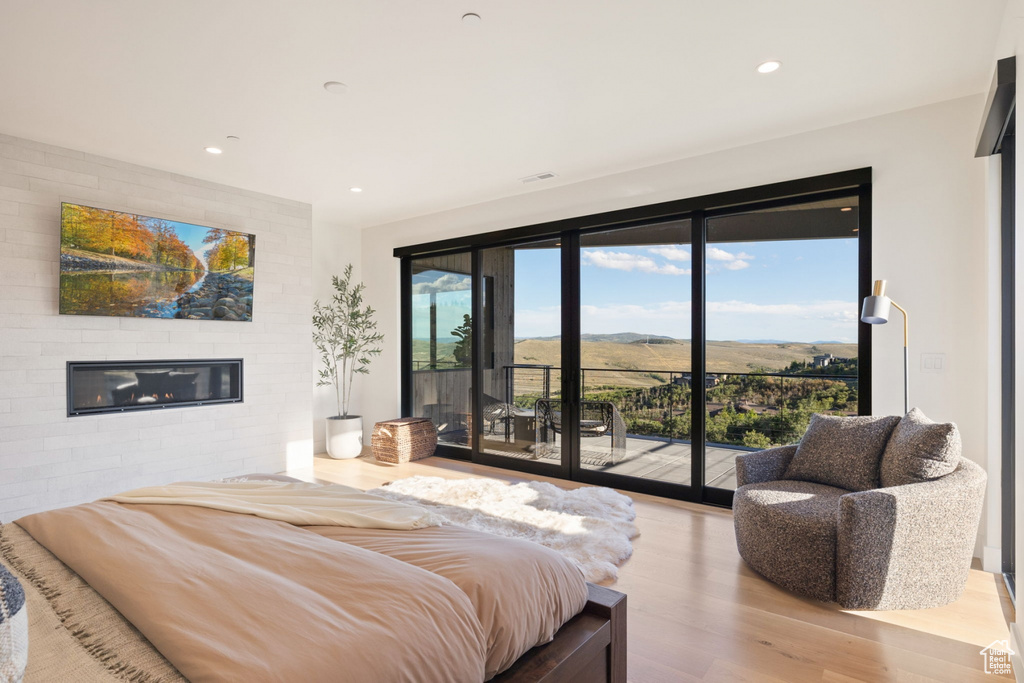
<point>164,593</point>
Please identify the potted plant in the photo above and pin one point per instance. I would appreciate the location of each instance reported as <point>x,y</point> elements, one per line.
<point>344,333</point>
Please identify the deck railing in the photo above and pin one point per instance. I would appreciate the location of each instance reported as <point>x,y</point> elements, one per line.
<point>661,409</point>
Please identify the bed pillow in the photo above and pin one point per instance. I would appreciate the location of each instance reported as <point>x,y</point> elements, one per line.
<point>13,628</point>
<point>842,451</point>
<point>920,450</point>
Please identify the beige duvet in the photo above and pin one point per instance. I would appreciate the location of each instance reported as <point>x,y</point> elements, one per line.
<point>234,597</point>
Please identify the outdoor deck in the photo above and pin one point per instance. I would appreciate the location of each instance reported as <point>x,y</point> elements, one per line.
<point>647,457</point>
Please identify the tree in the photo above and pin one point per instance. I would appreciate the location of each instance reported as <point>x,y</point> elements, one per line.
<point>231,250</point>
<point>344,333</point>
<point>753,439</point>
<point>132,239</point>
<point>464,346</point>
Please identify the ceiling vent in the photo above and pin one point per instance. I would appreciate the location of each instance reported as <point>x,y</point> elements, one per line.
<point>547,175</point>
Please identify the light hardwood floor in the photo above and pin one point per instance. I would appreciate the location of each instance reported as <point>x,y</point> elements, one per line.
<point>698,613</point>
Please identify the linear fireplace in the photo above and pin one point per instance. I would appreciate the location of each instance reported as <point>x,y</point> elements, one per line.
<point>120,386</point>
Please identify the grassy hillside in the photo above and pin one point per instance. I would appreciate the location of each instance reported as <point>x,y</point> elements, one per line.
<point>445,352</point>
<point>611,358</point>
<point>723,357</point>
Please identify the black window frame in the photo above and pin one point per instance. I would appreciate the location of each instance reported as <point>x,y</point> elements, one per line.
<point>997,135</point>
<point>851,183</point>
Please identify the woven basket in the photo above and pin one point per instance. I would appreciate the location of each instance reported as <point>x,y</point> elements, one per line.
<point>404,439</point>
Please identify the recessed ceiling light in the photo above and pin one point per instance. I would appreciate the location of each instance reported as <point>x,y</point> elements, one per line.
<point>846,208</point>
<point>214,150</point>
<point>335,87</point>
<point>768,67</point>
<point>355,189</point>
<point>471,18</point>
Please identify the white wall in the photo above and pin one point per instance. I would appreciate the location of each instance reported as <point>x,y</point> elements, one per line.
<point>929,242</point>
<point>47,459</point>
<point>334,246</point>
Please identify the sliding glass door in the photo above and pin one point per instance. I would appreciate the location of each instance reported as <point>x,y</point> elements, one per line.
<point>781,313</point>
<point>520,356</point>
<point>439,307</point>
<point>635,350</point>
<point>645,349</point>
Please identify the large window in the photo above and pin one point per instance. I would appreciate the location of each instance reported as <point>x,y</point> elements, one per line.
<point>635,352</point>
<point>441,307</point>
<point>782,315</point>
<point>645,348</point>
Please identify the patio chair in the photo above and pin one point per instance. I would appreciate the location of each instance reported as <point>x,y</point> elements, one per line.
<point>597,418</point>
<point>495,410</point>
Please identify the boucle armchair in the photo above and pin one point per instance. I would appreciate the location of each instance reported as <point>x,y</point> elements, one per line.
<point>903,546</point>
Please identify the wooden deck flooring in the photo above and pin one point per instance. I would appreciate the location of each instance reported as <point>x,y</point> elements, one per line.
<point>644,457</point>
<point>698,613</point>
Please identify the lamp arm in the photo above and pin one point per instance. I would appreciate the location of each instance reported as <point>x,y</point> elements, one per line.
<point>906,357</point>
<point>906,323</point>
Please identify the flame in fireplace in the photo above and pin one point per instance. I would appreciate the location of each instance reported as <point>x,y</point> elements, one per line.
<point>99,399</point>
<point>168,395</point>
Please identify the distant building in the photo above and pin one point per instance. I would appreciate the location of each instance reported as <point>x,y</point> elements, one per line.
<point>710,381</point>
<point>825,360</point>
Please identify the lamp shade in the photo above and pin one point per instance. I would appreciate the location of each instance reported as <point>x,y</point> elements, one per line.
<point>876,310</point>
<point>876,306</point>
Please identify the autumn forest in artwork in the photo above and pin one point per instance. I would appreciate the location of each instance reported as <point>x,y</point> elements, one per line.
<point>119,263</point>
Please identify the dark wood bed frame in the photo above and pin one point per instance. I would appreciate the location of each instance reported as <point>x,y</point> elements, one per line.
<point>589,648</point>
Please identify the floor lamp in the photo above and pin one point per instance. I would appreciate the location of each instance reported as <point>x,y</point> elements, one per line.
<point>876,312</point>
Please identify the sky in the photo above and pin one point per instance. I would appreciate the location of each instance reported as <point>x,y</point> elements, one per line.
<point>801,291</point>
<point>454,300</point>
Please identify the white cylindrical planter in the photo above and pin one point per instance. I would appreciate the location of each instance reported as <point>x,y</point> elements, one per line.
<point>344,436</point>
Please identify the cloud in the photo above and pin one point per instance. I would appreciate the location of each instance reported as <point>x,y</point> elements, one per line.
<point>637,311</point>
<point>839,311</point>
<point>729,260</point>
<point>671,253</point>
<point>449,282</point>
<point>716,254</point>
<point>545,321</point>
<point>847,315</point>
<point>730,319</point>
<point>620,260</point>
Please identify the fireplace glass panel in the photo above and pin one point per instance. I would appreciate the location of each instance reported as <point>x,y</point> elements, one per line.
<point>121,386</point>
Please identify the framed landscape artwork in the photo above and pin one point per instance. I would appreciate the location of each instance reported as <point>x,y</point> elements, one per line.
<point>123,264</point>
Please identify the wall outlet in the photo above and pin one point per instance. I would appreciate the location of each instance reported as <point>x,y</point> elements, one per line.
<point>933,362</point>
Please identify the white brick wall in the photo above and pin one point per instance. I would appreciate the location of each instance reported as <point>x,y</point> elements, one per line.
<point>48,460</point>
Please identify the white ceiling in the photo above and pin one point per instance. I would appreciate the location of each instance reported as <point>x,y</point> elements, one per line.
<point>441,114</point>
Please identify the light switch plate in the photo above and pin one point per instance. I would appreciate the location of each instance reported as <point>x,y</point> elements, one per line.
<point>933,362</point>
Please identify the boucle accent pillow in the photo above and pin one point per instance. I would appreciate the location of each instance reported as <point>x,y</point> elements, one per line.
<point>842,451</point>
<point>920,450</point>
<point>13,628</point>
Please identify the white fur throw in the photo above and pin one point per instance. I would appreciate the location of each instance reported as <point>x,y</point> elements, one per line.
<point>590,525</point>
